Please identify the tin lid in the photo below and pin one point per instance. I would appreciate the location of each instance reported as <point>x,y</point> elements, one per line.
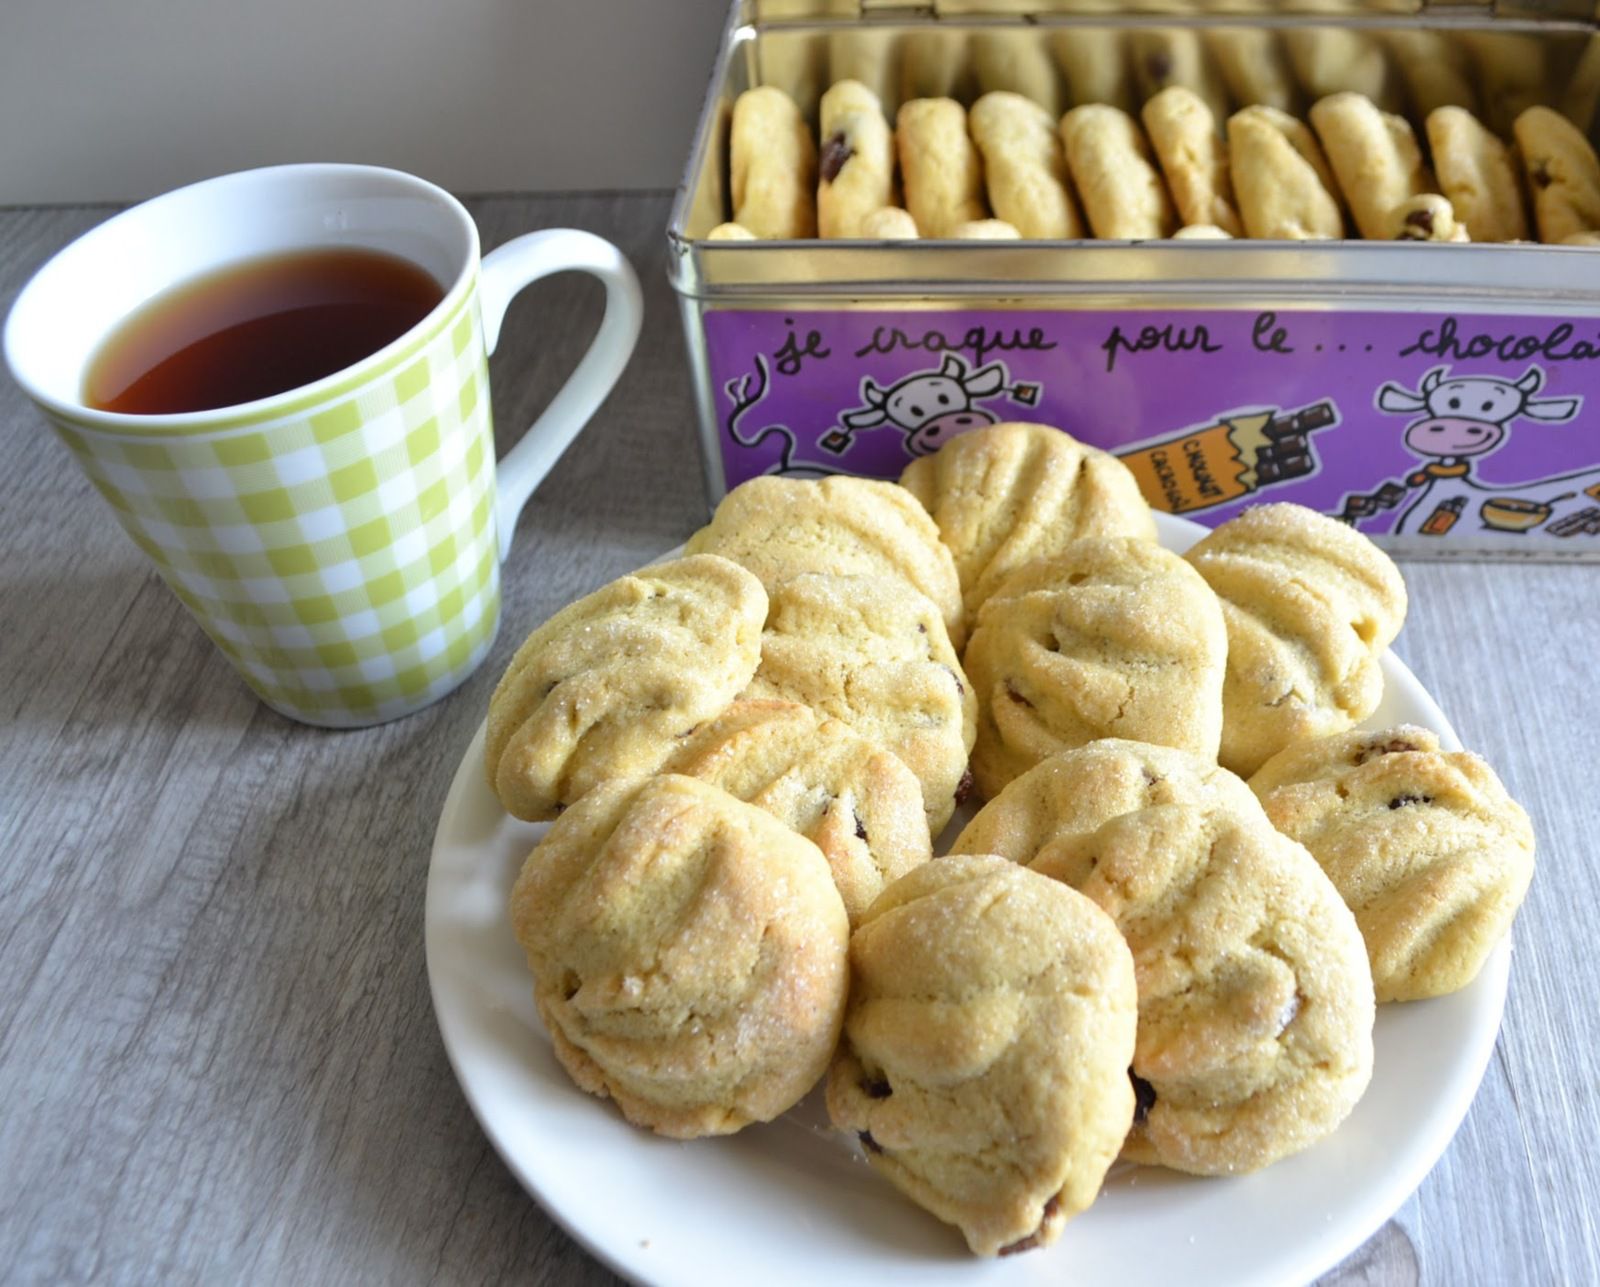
<point>765,11</point>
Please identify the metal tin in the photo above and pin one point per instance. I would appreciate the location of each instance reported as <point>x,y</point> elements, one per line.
<point>1444,398</point>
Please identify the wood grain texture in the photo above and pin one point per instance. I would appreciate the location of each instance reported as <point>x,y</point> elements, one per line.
<point>218,1057</point>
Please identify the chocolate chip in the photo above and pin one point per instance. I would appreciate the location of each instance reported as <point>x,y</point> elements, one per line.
<point>1032,1240</point>
<point>1017,697</point>
<point>1159,65</point>
<point>961,689</point>
<point>1541,175</point>
<point>861,829</point>
<point>1422,220</point>
<point>1144,1098</point>
<point>876,1088</point>
<point>921,629</point>
<point>1400,801</point>
<point>835,152</point>
<point>1394,746</point>
<point>868,1143</point>
<point>964,787</point>
<point>570,983</point>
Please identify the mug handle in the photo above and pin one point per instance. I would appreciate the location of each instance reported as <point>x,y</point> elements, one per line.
<point>505,271</point>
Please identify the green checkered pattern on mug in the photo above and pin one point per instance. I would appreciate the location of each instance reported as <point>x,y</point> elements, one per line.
<point>345,559</point>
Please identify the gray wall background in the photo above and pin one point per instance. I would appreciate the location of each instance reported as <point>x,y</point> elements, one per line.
<point>115,100</point>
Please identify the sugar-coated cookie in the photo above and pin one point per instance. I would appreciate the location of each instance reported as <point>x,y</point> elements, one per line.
<point>606,686</point>
<point>1013,492</point>
<point>773,166</point>
<point>1255,1001</point>
<point>780,527</point>
<point>689,953</point>
<point>1109,161</point>
<point>1423,845</point>
<point>1281,179</point>
<point>1023,166</point>
<point>984,1067</point>
<point>855,166</point>
<point>1563,174</point>
<point>1375,158</point>
<point>854,800</point>
<point>872,652</point>
<point>939,166</point>
<point>1112,637</point>
<point>889,224</point>
<point>1310,605</point>
<point>1183,132</point>
<point>1479,175</point>
<point>730,232</point>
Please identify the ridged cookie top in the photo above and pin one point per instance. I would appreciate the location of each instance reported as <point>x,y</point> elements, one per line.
<point>781,527</point>
<point>1051,810</point>
<point>606,686</point>
<point>984,1067</point>
<point>853,799</point>
<point>1010,493</point>
<point>1114,637</point>
<point>689,954</point>
<point>1424,845</point>
<point>1310,604</point>
<point>1255,1002</point>
<point>872,652</point>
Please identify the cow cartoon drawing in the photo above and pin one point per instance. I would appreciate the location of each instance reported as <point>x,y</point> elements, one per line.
<point>744,394</point>
<point>1459,420</point>
<point>930,407</point>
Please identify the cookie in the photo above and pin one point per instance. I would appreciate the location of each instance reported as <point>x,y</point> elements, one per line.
<point>889,224</point>
<point>1109,161</point>
<point>1183,132</point>
<point>1016,62</point>
<point>985,230</point>
<point>1113,637</point>
<point>1255,1002</point>
<point>1023,167</point>
<point>856,163</point>
<point>1334,60</point>
<point>1009,493</point>
<point>1310,605</point>
<point>730,232</point>
<point>1252,65</point>
<point>1166,58</point>
<point>984,1067</point>
<point>873,653</point>
<point>780,527</point>
<point>935,63</point>
<point>868,56</point>
<point>1423,845</point>
<point>938,165</point>
<point>773,166</point>
<point>1427,217</point>
<point>1375,159</point>
<point>1513,69</point>
<point>1046,816</point>
<point>1281,179</point>
<point>1435,69</point>
<point>854,800</point>
<point>1202,232</point>
<point>1093,62</point>
<point>607,685</point>
<point>1563,174</point>
<point>689,954</point>
<point>1479,175</point>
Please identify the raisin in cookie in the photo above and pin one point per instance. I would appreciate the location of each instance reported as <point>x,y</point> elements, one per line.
<point>854,800</point>
<point>1428,217</point>
<point>1479,175</point>
<point>1183,131</point>
<point>1255,1001</point>
<point>1023,166</point>
<point>780,527</point>
<point>606,686</point>
<point>773,166</point>
<point>689,953</point>
<point>872,653</point>
<point>1310,605</point>
<point>1281,178</point>
<point>1009,493</point>
<point>856,163</point>
<point>1110,163</point>
<point>1563,174</point>
<point>984,1067</point>
<point>939,167</point>
<point>1113,637</point>
<point>1375,158</point>
<point>1424,845</point>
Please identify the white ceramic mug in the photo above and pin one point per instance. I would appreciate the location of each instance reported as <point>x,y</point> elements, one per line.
<point>341,541</point>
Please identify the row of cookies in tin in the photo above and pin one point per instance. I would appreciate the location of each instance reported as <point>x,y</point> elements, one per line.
<point>1008,170</point>
<point>746,751</point>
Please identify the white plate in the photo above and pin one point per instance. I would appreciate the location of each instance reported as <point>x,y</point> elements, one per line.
<point>789,1202</point>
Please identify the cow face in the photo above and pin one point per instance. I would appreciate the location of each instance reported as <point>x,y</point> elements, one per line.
<point>914,403</point>
<point>1477,398</point>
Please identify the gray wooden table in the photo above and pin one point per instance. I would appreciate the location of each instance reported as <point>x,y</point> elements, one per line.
<point>218,1058</point>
